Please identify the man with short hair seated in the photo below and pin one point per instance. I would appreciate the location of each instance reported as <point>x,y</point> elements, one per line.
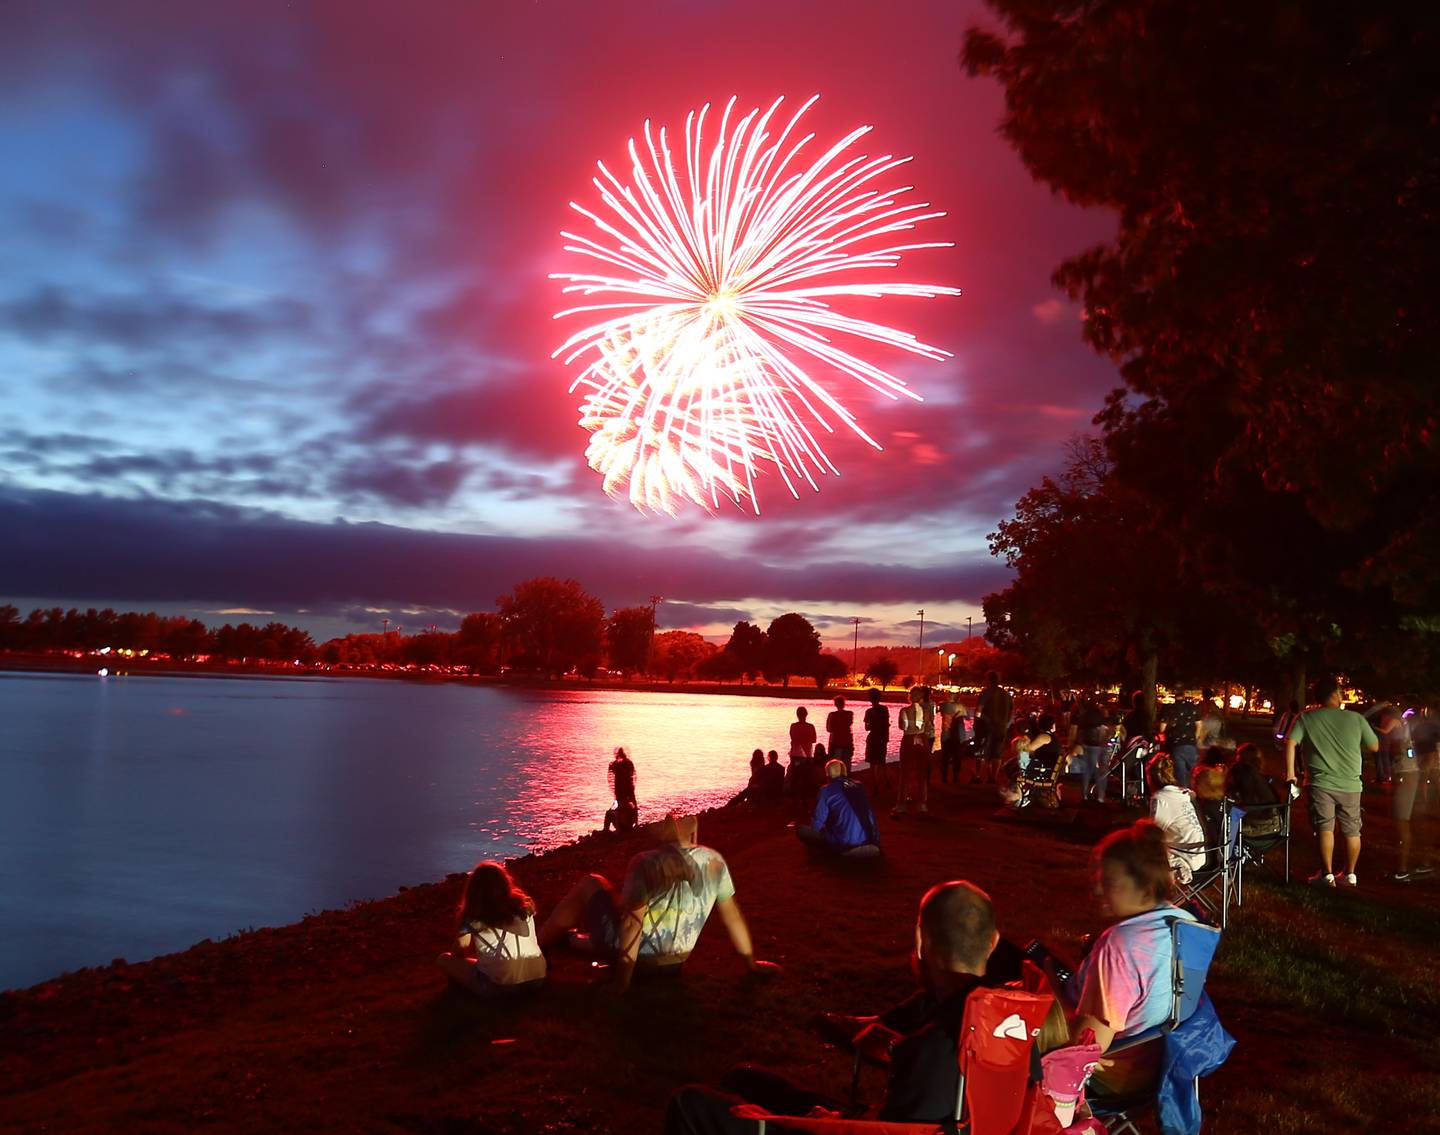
<point>844,822</point>
<point>954,937</point>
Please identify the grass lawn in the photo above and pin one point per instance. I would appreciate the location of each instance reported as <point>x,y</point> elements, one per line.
<point>341,1023</point>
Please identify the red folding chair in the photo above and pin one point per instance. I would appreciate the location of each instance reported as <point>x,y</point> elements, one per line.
<point>997,1037</point>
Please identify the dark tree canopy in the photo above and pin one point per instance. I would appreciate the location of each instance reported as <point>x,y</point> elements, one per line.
<point>1270,294</point>
<point>627,638</point>
<point>553,624</point>
<point>828,668</point>
<point>883,670</point>
<point>748,645</point>
<point>792,646</point>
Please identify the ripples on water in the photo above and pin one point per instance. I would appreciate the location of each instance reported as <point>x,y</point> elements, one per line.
<point>139,815</point>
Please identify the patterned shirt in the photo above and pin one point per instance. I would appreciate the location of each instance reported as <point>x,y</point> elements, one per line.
<point>674,919</point>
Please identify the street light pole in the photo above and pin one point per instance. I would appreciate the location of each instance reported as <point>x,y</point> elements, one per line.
<point>921,613</point>
<point>855,649</point>
<point>967,628</point>
<point>655,601</point>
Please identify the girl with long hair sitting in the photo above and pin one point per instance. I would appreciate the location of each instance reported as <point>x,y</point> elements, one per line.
<point>497,949</point>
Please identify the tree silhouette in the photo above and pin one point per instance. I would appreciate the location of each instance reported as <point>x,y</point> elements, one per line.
<point>828,668</point>
<point>627,638</point>
<point>883,670</point>
<point>792,646</point>
<point>1268,295</point>
<point>748,645</point>
<point>552,624</point>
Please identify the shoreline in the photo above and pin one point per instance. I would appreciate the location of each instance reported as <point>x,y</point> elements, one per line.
<point>340,1022</point>
<point>139,668</point>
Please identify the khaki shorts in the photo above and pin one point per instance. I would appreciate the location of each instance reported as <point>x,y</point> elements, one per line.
<point>1327,806</point>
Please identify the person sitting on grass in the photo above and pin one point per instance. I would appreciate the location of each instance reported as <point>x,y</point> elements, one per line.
<point>954,936</point>
<point>1124,986</point>
<point>496,947</point>
<point>754,789</point>
<point>844,822</point>
<point>800,781</point>
<point>655,919</point>
<point>1036,751</point>
<point>772,780</point>
<point>1173,809</point>
<point>626,810</point>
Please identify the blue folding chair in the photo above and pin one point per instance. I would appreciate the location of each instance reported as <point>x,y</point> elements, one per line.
<point>1193,946</point>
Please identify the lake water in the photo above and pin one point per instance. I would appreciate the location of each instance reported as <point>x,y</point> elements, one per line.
<point>141,814</point>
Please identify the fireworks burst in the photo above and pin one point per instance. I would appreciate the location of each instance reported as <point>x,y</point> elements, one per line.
<point>716,281</point>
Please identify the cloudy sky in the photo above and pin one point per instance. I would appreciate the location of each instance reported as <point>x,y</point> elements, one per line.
<point>275,321</point>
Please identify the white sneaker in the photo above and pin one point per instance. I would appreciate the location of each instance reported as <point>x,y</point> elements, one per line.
<point>1321,879</point>
<point>1350,880</point>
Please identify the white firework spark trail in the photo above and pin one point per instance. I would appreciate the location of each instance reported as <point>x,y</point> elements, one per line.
<point>715,283</point>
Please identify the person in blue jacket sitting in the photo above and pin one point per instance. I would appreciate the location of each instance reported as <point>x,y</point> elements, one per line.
<point>844,822</point>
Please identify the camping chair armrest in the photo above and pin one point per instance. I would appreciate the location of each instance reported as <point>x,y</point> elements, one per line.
<point>827,1126</point>
<point>1147,1037</point>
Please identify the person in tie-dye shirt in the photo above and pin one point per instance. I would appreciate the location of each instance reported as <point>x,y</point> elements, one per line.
<point>655,919</point>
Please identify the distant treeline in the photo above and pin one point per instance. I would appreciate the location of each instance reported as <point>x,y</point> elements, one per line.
<point>544,626</point>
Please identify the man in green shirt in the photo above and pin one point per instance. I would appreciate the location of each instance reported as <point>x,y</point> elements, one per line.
<point>1333,739</point>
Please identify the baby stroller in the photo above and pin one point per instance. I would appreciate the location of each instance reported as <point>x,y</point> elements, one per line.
<point>1038,781</point>
<point>1126,761</point>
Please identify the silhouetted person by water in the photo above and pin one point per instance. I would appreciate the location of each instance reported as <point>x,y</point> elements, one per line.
<point>877,741</point>
<point>625,811</point>
<point>754,790</point>
<point>497,949</point>
<point>772,779</point>
<point>654,920</point>
<point>952,737</point>
<point>996,709</point>
<point>802,735</point>
<point>839,726</point>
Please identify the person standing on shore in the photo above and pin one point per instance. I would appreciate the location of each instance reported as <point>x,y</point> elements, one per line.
<point>839,724</point>
<point>931,709</point>
<point>952,736</point>
<point>914,756</point>
<point>802,735</point>
<point>877,741</point>
<point>1333,738</point>
<point>995,708</point>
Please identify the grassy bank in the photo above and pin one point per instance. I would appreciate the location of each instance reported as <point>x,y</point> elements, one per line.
<point>340,1023</point>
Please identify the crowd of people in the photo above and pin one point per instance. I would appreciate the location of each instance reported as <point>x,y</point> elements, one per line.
<point>1189,770</point>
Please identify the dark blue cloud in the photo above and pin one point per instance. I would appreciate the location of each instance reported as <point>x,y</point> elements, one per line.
<point>148,550</point>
